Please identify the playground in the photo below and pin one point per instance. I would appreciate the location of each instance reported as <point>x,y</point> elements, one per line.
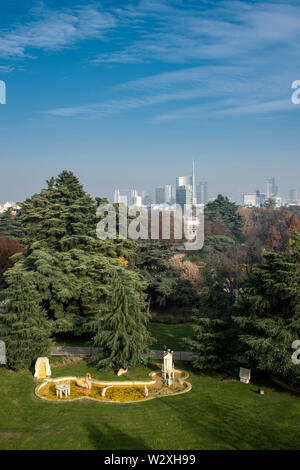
<point>116,391</point>
<point>168,381</point>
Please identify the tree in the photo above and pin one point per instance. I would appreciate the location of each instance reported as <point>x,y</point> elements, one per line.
<point>121,329</point>
<point>154,265</point>
<point>223,210</point>
<point>8,248</point>
<point>294,223</point>
<point>270,202</point>
<point>10,224</point>
<point>23,324</point>
<point>71,267</point>
<point>214,331</point>
<point>268,313</point>
<point>273,240</point>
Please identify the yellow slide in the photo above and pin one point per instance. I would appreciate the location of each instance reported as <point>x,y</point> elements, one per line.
<point>42,371</point>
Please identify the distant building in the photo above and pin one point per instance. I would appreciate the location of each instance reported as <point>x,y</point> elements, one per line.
<point>190,180</point>
<point>278,201</point>
<point>256,199</point>
<point>272,189</point>
<point>164,194</point>
<point>184,195</point>
<point>131,198</point>
<point>184,181</point>
<point>293,196</point>
<point>250,200</point>
<point>119,199</point>
<point>202,193</point>
<point>135,199</point>
<point>160,195</point>
<point>147,200</point>
<point>169,194</point>
<point>8,205</point>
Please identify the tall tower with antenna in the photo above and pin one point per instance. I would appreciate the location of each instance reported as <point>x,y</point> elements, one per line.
<point>194,185</point>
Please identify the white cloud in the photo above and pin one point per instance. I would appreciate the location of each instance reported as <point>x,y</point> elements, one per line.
<point>110,107</point>
<point>50,29</point>
<point>6,68</point>
<point>225,30</point>
<point>227,108</point>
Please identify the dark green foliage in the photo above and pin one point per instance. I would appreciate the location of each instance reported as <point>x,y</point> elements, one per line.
<point>69,268</point>
<point>214,331</point>
<point>217,244</point>
<point>223,210</point>
<point>268,313</point>
<point>10,225</point>
<point>184,293</point>
<point>161,277</point>
<point>121,329</point>
<point>70,265</point>
<point>23,324</point>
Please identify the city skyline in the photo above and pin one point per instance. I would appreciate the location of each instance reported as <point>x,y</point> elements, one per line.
<point>121,92</point>
<point>167,194</point>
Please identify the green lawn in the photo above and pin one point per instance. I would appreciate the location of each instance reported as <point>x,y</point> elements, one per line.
<point>214,415</point>
<point>170,335</point>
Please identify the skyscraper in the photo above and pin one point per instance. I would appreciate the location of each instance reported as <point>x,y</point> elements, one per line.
<point>160,195</point>
<point>184,181</point>
<point>188,181</point>
<point>147,200</point>
<point>184,195</point>
<point>202,192</point>
<point>169,198</point>
<point>194,185</point>
<point>272,189</point>
<point>118,198</point>
<point>293,195</point>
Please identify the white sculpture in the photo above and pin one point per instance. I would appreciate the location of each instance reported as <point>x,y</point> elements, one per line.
<point>42,368</point>
<point>245,375</point>
<point>168,371</point>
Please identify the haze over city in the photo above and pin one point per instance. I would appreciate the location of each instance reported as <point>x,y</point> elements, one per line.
<point>126,94</point>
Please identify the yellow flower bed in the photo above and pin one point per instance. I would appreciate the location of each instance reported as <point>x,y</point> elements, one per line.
<point>49,391</point>
<point>123,393</point>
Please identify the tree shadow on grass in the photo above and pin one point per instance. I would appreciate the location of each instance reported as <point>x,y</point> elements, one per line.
<point>211,432</point>
<point>105,437</point>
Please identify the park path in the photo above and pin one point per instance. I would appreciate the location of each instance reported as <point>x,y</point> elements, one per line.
<point>89,351</point>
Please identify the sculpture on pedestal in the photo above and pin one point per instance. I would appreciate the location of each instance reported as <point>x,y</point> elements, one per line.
<point>168,371</point>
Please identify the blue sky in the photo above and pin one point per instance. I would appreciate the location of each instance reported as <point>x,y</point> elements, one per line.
<point>126,94</point>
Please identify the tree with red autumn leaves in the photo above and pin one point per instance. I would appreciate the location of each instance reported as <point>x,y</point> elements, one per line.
<point>8,248</point>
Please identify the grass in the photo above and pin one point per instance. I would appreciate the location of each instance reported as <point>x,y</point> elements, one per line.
<point>172,314</point>
<point>170,335</point>
<point>214,415</point>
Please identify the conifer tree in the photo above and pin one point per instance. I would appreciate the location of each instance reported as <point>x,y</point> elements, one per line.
<point>10,224</point>
<point>269,313</point>
<point>23,324</point>
<point>214,332</point>
<point>161,276</point>
<point>121,330</point>
<point>71,266</point>
<point>223,210</point>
